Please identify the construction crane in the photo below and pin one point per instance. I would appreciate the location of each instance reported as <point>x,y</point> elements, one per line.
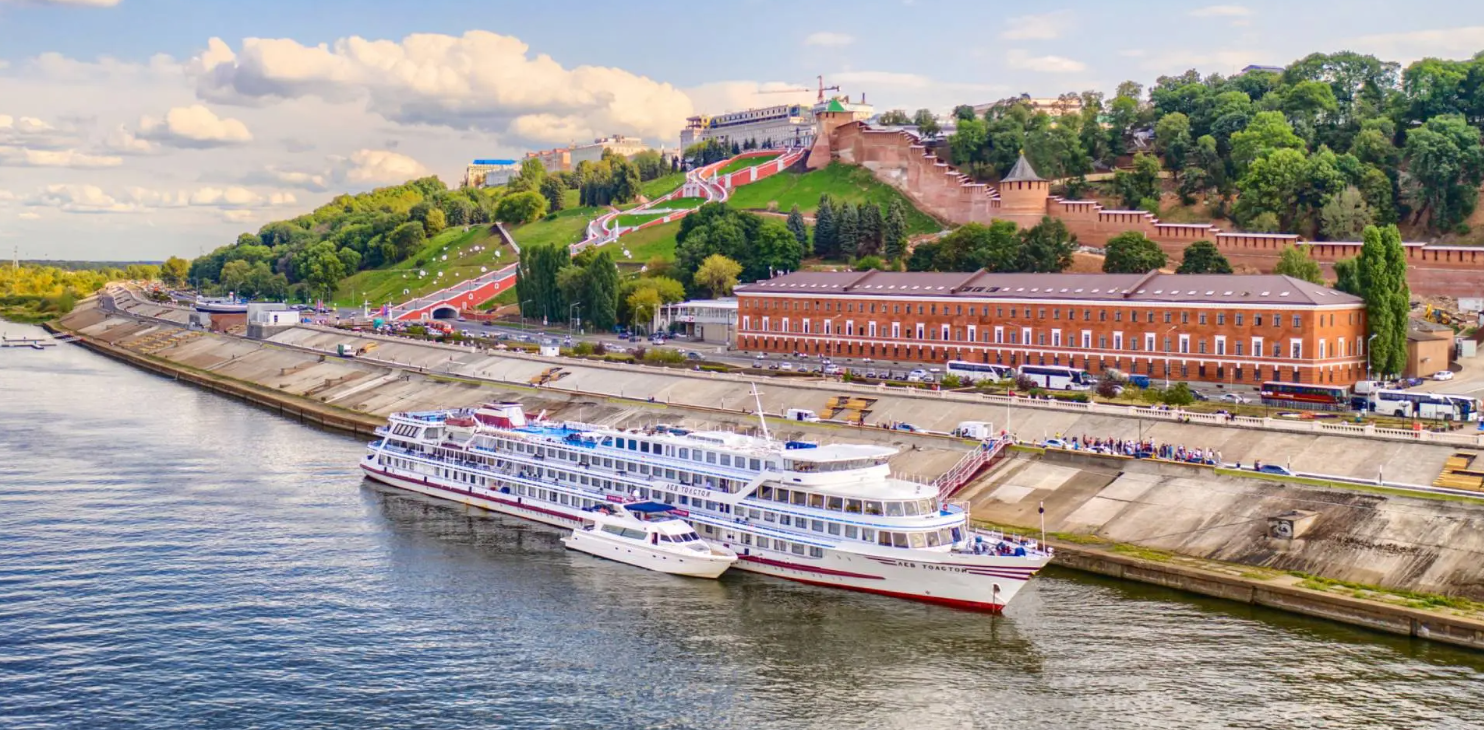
<point>822,88</point>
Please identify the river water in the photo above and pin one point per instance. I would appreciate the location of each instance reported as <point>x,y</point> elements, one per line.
<point>173,559</point>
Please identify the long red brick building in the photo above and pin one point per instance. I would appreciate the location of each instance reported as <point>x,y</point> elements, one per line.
<point>1216,328</point>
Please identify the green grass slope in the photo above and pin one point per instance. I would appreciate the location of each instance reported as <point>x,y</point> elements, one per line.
<point>418,274</point>
<point>663,185</point>
<point>464,261</point>
<point>644,245</point>
<point>845,182</point>
<point>746,162</point>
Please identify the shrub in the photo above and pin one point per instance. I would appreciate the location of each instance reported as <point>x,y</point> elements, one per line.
<point>1179,395</point>
<point>1108,385</point>
<point>1024,382</point>
<point>584,348</point>
<point>664,356</point>
<point>953,381</point>
<point>1151,395</point>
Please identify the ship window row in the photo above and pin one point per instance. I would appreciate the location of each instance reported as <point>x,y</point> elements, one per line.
<point>931,538</point>
<point>879,508</point>
<point>685,453</point>
<point>784,546</point>
<point>680,476</point>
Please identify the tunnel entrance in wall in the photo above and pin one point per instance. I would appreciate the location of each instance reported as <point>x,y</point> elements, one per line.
<point>445,312</point>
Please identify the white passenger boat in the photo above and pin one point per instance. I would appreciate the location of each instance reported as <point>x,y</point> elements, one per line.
<point>642,534</point>
<point>830,515</point>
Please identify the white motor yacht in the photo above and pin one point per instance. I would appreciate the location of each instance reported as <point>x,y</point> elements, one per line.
<point>643,534</point>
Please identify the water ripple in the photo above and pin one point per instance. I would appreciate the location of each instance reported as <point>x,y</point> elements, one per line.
<point>170,559</point>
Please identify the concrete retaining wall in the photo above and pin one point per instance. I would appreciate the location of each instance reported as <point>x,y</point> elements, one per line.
<point>1391,619</point>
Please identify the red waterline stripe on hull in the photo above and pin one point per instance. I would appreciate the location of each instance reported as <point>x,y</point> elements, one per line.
<point>440,487</point>
<point>979,606</point>
<point>808,568</point>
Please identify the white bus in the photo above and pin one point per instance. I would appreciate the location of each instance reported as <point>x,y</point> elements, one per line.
<point>1058,378</point>
<point>974,372</point>
<point>1409,404</point>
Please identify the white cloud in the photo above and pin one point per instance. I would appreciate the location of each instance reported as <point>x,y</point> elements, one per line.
<point>1042,27</point>
<point>727,96</point>
<point>24,157</point>
<point>828,39</point>
<point>29,215</point>
<point>240,216</point>
<point>1227,60</point>
<point>1221,11</point>
<point>315,181</point>
<point>1236,14</point>
<point>378,167</point>
<point>6,195</point>
<point>194,126</point>
<point>1412,45</point>
<point>239,197</point>
<point>122,141</point>
<point>1019,59</point>
<point>479,80</point>
<point>81,199</point>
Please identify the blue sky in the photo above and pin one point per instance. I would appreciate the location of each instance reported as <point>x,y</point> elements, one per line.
<point>144,128</point>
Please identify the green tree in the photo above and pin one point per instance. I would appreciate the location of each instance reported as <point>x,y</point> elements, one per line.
<point>555,193</point>
<point>532,174</point>
<point>520,208</point>
<point>323,269</point>
<point>1347,276</point>
<point>1266,133</point>
<point>1139,187</point>
<point>826,239</point>
<point>894,118</point>
<point>773,249</point>
<point>1345,216</point>
<point>405,240</point>
<point>174,271</point>
<point>1202,257</point>
<point>1383,285</point>
<point>718,275</point>
<point>234,275</point>
<point>1046,247</point>
<point>1295,261</point>
<point>894,231</point>
<point>571,281</point>
<point>1172,139</point>
<point>868,232</point>
<point>797,227</point>
<point>435,222</point>
<point>1132,253</point>
<point>1446,160</point>
<point>847,229</point>
<point>601,302</point>
<point>642,305</point>
<point>926,123</point>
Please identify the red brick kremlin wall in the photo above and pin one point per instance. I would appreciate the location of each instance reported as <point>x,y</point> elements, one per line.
<point>936,187</point>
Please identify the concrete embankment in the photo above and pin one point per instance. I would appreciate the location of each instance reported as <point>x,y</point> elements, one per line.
<point>1384,539</point>
<point>1419,544</point>
<point>1444,626</point>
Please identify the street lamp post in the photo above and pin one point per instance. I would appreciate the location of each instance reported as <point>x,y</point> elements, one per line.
<point>523,312</point>
<point>1167,357</point>
<point>1368,356</point>
<point>572,319</point>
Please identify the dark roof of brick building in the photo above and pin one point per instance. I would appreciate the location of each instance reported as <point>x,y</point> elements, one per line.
<point>1151,287</point>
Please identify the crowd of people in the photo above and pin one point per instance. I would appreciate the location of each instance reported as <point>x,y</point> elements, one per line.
<point>1140,449</point>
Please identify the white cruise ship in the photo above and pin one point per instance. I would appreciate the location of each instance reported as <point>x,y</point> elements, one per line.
<point>827,515</point>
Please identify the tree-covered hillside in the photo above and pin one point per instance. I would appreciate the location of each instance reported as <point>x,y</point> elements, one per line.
<point>1331,144</point>
<point>400,229</point>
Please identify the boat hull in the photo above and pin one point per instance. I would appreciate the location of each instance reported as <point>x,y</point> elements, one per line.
<point>974,582</point>
<point>636,554</point>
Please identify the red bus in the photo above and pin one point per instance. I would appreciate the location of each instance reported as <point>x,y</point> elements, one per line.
<point>1311,397</point>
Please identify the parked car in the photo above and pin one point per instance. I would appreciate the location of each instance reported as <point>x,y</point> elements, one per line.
<point>907,427</point>
<point>1234,398</point>
<point>1199,395</point>
<point>1054,444</point>
<point>1274,469</point>
<point>693,355</point>
<point>1443,375</point>
<point>786,366</point>
<point>757,363</point>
